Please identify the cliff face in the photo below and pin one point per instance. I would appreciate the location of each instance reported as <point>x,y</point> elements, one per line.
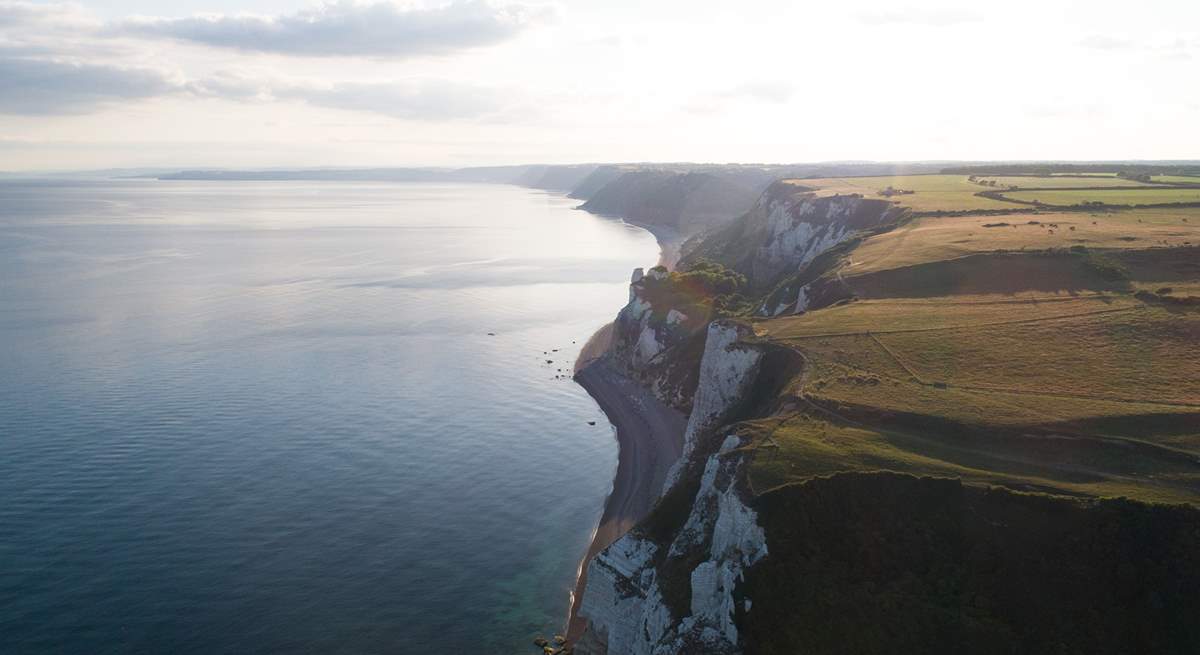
<point>626,600</point>
<point>786,230</point>
<point>688,202</point>
<point>847,556</point>
<point>671,586</point>
<point>658,336</point>
<point>556,178</point>
<point>673,589</point>
<point>599,178</point>
<point>727,371</point>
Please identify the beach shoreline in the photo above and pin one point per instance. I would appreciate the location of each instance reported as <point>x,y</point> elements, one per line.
<point>649,437</point>
<point>670,240</point>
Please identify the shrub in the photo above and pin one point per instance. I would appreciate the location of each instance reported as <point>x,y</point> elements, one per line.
<point>710,278</point>
<point>1105,268</point>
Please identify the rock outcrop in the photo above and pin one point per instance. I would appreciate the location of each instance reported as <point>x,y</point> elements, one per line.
<point>657,337</point>
<point>727,370</point>
<point>688,202</point>
<point>671,585</point>
<point>629,600</point>
<point>787,229</point>
<point>625,602</point>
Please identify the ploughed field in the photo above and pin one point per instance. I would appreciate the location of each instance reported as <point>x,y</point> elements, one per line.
<point>1053,350</point>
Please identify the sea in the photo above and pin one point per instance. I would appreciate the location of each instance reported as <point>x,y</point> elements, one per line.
<point>298,417</point>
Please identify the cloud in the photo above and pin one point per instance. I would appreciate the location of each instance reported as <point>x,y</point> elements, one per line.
<point>405,99</point>
<point>431,100</point>
<point>56,60</point>
<point>931,16</point>
<point>348,28</point>
<point>30,30</point>
<point>51,63</point>
<point>764,92</point>
<point>40,87</point>
<point>769,92</point>
<point>1102,42</point>
<point>15,13</point>
<point>1063,108</point>
<point>232,86</point>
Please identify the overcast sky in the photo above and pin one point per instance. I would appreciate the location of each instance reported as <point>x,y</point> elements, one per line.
<point>464,82</point>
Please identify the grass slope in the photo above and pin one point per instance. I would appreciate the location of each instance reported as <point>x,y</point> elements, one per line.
<point>1057,182</point>
<point>931,239</point>
<point>987,436</point>
<point>1147,196</point>
<point>887,563</point>
<point>930,193</point>
<point>1095,395</point>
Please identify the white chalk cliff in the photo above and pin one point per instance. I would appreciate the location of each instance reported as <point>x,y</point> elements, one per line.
<point>623,600</point>
<point>726,371</point>
<point>632,597</point>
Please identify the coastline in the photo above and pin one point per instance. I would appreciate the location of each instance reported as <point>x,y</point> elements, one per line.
<point>649,437</point>
<point>670,240</point>
<point>670,244</point>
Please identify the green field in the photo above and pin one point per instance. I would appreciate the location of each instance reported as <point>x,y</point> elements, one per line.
<point>1177,179</point>
<point>1093,395</point>
<point>939,238</point>
<point>957,193</point>
<point>1143,354</point>
<point>1148,196</point>
<point>812,445</point>
<point>931,193</point>
<point>1003,349</point>
<point>1058,182</point>
<point>884,316</point>
<point>945,361</point>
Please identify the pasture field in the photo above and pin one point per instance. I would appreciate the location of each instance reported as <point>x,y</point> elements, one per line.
<point>1177,179</point>
<point>957,193</point>
<point>1095,395</point>
<point>1091,348</point>
<point>1005,349</point>
<point>931,193</point>
<point>1148,196</point>
<point>1145,354</point>
<point>814,444</point>
<point>1175,289</point>
<point>1058,182</point>
<point>892,315</point>
<point>930,239</point>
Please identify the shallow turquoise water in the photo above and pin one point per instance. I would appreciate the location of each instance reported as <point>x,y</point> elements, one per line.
<point>269,418</point>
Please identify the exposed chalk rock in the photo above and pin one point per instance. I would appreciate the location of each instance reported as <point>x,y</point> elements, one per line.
<point>802,300</point>
<point>622,601</point>
<point>726,370</point>
<point>648,346</point>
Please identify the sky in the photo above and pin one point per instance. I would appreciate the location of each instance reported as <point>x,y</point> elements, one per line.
<point>282,83</point>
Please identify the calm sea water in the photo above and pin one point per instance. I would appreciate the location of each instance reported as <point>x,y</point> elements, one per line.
<point>269,418</point>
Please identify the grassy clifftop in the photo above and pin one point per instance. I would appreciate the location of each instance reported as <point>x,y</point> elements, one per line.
<point>968,422</point>
<point>993,444</point>
<point>888,563</point>
<point>1043,350</point>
